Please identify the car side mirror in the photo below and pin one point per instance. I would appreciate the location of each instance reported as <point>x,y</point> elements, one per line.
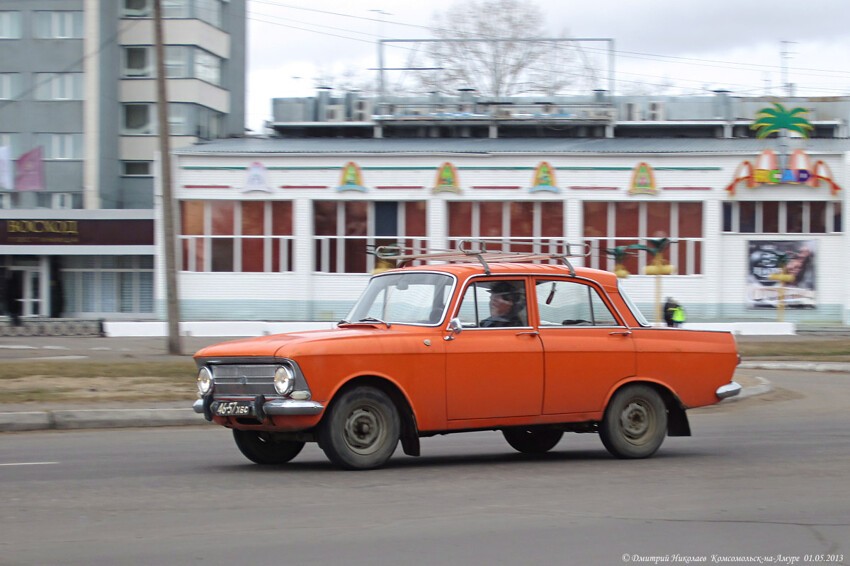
<point>455,327</point>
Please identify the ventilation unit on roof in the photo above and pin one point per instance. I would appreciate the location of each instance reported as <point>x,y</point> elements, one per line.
<point>656,112</point>
<point>632,112</point>
<point>363,111</point>
<point>334,113</point>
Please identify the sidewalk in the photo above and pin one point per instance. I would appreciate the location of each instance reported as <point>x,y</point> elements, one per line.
<point>47,416</point>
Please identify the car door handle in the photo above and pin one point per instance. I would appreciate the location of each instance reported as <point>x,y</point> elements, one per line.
<point>621,333</point>
<point>530,333</point>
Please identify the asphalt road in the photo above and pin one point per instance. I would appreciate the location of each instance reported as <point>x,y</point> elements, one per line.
<point>762,477</point>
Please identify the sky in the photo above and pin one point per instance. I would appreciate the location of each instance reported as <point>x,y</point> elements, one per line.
<point>660,46</point>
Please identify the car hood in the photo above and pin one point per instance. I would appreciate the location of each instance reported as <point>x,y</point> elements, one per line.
<point>292,343</point>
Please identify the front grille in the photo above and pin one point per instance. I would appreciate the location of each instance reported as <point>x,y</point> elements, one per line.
<point>244,379</point>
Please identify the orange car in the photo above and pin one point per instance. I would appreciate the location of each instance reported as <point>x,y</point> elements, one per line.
<point>481,341</point>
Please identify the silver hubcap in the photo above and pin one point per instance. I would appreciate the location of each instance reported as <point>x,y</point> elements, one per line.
<point>364,430</point>
<point>636,420</point>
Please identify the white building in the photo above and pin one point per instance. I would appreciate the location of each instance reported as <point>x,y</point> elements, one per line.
<point>279,229</point>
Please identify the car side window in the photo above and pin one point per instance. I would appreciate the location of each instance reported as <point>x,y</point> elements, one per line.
<point>494,304</point>
<point>570,303</point>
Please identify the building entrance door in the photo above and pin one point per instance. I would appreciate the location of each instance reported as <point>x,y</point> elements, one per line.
<point>24,291</point>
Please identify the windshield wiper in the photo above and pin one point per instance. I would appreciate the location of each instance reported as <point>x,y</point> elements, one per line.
<point>367,320</point>
<point>373,319</point>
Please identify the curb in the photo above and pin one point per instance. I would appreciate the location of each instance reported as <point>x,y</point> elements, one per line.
<point>763,387</point>
<point>802,366</point>
<point>73,419</point>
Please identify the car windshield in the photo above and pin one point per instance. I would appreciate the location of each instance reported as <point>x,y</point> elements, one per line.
<point>633,307</point>
<point>403,298</point>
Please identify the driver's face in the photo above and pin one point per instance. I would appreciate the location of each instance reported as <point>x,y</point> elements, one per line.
<point>500,305</point>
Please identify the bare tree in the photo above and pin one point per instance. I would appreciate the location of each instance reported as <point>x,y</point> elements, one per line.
<point>486,45</point>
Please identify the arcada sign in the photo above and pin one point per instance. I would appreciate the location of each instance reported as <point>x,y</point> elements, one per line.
<point>799,171</point>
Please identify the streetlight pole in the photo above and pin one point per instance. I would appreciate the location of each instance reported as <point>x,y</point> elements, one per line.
<point>173,306</point>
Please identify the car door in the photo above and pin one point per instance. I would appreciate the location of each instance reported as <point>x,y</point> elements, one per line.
<point>494,371</point>
<point>587,348</point>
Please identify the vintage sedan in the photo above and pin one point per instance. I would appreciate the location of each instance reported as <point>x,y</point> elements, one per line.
<point>521,343</point>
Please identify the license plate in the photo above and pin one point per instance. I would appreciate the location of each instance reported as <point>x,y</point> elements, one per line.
<point>234,409</point>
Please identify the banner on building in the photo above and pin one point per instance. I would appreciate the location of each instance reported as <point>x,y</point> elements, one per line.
<point>768,281</point>
<point>6,176</point>
<point>29,171</point>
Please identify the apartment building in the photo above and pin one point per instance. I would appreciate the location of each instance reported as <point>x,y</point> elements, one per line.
<point>79,139</point>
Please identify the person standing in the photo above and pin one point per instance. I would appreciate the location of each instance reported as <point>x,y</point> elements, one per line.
<point>669,305</point>
<point>678,316</point>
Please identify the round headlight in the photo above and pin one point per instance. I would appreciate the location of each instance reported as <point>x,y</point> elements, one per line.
<point>284,380</point>
<point>205,380</point>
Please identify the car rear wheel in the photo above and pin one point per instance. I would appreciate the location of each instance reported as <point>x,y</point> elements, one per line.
<point>361,430</point>
<point>635,422</point>
<point>263,448</point>
<point>532,440</point>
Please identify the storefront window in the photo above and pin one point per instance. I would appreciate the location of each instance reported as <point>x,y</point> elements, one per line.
<point>347,231</point>
<point>236,236</point>
<point>520,226</point>
<point>611,224</point>
<point>770,217</point>
<point>103,285</point>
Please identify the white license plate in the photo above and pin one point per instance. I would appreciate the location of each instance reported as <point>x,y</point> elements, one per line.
<point>234,409</point>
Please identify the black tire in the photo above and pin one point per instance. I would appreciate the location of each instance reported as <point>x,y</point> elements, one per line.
<point>361,430</point>
<point>262,448</point>
<point>532,440</point>
<point>635,422</point>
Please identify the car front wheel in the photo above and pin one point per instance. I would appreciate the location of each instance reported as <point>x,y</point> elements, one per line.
<point>635,422</point>
<point>532,440</point>
<point>263,448</point>
<point>361,430</point>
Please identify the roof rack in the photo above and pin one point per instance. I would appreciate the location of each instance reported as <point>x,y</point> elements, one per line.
<point>475,250</point>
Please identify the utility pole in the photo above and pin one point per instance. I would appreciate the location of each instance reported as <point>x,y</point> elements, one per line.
<point>786,83</point>
<point>173,308</point>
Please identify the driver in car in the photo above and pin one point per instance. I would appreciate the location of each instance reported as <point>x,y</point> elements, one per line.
<point>505,302</point>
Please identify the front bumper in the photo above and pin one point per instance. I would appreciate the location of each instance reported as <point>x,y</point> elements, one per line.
<point>729,390</point>
<point>262,407</point>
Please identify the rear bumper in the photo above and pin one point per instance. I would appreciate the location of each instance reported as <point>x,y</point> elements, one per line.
<point>729,390</point>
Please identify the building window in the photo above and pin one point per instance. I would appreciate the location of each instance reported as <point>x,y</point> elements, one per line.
<point>137,9</point>
<point>177,61</point>
<point>94,285</point>
<point>346,232</point>
<point>773,217</point>
<point>521,226</point>
<point>10,85</point>
<point>61,146</point>
<point>136,168</point>
<point>59,25</point>
<point>207,67</point>
<point>236,236</point>
<point>137,62</point>
<point>209,11</point>
<point>181,119</point>
<point>58,86</point>
<point>138,119</point>
<point>608,225</point>
<point>11,141</point>
<point>10,25</point>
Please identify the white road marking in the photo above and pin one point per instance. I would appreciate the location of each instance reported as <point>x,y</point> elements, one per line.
<point>50,358</point>
<point>29,464</point>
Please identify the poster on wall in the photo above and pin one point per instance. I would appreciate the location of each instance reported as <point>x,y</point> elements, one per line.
<point>764,285</point>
